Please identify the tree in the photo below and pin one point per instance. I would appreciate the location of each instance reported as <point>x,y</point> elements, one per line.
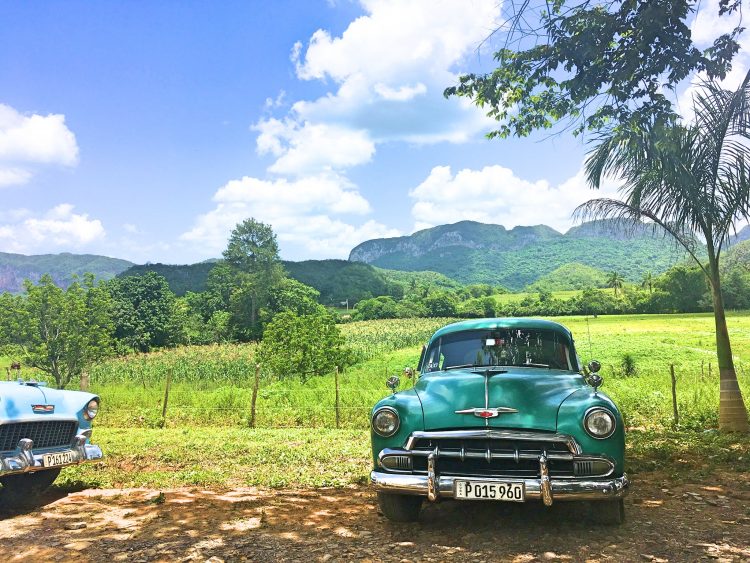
<point>648,282</point>
<point>302,346</point>
<point>60,332</point>
<point>593,63</point>
<point>692,181</point>
<point>253,255</point>
<point>144,311</point>
<point>615,281</point>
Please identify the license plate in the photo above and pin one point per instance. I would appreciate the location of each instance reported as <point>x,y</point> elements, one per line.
<point>61,458</point>
<point>483,490</point>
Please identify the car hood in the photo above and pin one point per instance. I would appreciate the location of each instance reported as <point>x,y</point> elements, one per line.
<point>535,393</point>
<point>16,400</point>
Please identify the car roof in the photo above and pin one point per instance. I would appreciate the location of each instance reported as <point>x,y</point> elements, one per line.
<point>513,322</point>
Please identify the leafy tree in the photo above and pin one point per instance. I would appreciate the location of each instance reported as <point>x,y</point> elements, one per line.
<point>593,63</point>
<point>648,282</point>
<point>441,304</point>
<point>383,307</point>
<point>615,281</point>
<point>60,332</point>
<point>302,346</point>
<point>683,290</point>
<point>252,253</point>
<point>144,311</point>
<point>693,181</point>
<point>291,295</point>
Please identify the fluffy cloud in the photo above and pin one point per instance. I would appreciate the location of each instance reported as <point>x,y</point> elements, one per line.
<point>389,68</point>
<point>495,194</point>
<point>304,149</point>
<point>59,227</point>
<point>300,212</point>
<point>27,141</point>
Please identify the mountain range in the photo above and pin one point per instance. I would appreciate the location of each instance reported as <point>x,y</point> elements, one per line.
<point>472,252</point>
<point>442,256</point>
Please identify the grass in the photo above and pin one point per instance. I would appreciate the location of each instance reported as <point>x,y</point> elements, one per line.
<point>228,457</point>
<point>652,342</point>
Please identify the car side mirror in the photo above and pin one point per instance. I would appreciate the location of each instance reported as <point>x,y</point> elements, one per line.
<point>409,372</point>
<point>594,366</point>
<point>392,382</point>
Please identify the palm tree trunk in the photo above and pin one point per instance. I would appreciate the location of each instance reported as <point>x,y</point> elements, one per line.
<point>732,411</point>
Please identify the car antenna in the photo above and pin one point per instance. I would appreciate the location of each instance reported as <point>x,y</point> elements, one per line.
<point>588,328</point>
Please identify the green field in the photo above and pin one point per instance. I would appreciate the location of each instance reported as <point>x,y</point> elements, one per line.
<point>213,384</point>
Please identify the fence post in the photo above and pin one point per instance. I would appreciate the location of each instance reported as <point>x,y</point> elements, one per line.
<point>84,384</point>
<point>674,396</point>
<point>256,384</point>
<point>703,373</point>
<point>166,396</point>
<point>336,378</point>
<point>709,370</point>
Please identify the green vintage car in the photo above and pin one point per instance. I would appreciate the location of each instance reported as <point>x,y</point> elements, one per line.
<point>501,411</point>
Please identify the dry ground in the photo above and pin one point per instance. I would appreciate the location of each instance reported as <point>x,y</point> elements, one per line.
<point>687,522</point>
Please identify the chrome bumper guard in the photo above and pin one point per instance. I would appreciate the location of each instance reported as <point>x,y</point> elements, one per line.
<point>547,490</point>
<point>25,460</point>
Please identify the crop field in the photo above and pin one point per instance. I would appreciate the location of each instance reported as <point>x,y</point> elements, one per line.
<point>213,384</point>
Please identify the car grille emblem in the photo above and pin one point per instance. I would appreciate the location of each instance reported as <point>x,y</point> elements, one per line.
<point>487,412</point>
<point>43,409</point>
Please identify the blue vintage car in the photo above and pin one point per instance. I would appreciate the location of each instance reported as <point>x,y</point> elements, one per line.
<point>502,411</point>
<point>42,430</point>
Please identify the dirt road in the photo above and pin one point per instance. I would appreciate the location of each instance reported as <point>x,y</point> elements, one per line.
<point>707,520</point>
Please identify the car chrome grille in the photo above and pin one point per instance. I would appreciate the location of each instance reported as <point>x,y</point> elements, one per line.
<point>44,433</point>
<point>505,457</point>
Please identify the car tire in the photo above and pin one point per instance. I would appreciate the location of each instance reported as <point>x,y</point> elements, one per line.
<point>23,489</point>
<point>608,512</point>
<point>400,508</point>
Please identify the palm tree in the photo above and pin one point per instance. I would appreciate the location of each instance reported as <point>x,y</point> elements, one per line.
<point>615,281</point>
<point>648,282</point>
<point>693,181</point>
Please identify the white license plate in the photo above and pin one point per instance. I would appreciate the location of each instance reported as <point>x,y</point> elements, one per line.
<point>485,490</point>
<point>61,458</point>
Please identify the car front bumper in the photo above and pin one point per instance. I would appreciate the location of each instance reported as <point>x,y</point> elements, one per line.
<point>435,487</point>
<point>24,459</point>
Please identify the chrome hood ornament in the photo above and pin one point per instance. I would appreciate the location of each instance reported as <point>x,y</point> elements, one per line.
<point>487,412</point>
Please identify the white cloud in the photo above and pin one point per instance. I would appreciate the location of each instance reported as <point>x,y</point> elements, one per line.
<point>495,194</point>
<point>59,227</point>
<point>389,68</point>
<point>308,148</point>
<point>13,176</point>
<point>27,141</point>
<point>300,212</point>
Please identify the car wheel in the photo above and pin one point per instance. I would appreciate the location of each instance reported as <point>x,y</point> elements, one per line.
<point>23,489</point>
<point>400,508</point>
<point>608,512</point>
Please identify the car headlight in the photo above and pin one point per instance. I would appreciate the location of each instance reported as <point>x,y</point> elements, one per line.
<point>386,421</point>
<point>91,410</point>
<point>599,422</point>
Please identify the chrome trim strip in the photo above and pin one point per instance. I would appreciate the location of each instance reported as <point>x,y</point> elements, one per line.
<point>493,434</point>
<point>562,489</point>
<point>24,459</point>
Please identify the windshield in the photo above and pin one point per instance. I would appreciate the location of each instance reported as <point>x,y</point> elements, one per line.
<point>500,347</point>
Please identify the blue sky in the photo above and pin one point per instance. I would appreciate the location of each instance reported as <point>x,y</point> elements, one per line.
<point>147,130</point>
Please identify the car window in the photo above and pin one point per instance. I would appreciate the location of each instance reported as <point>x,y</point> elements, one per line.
<point>500,347</point>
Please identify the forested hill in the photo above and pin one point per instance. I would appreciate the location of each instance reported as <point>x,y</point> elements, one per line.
<point>14,268</point>
<point>472,252</point>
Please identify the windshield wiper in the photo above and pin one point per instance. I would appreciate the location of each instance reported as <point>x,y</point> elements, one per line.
<point>530,365</point>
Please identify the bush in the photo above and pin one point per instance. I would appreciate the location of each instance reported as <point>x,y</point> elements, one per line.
<point>628,366</point>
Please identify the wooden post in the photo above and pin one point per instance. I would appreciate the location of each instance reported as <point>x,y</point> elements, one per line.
<point>166,395</point>
<point>674,396</point>
<point>256,384</point>
<point>84,386</point>
<point>709,370</point>
<point>336,377</point>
